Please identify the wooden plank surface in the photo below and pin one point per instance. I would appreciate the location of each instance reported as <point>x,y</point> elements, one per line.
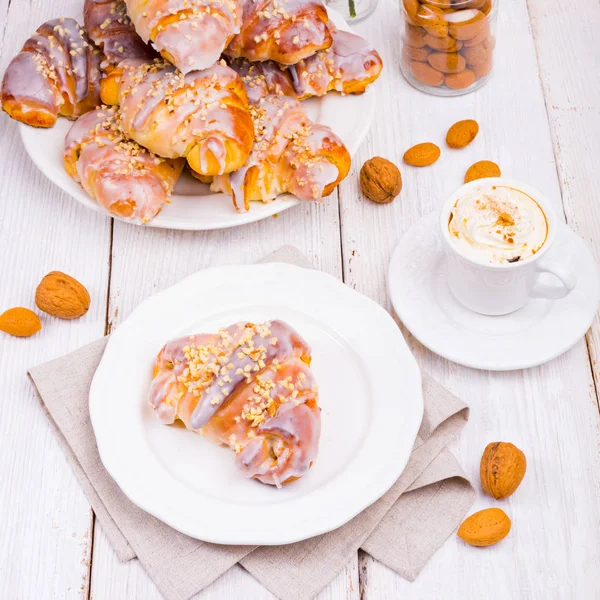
<point>45,520</point>
<point>540,120</point>
<point>570,76</point>
<point>549,412</point>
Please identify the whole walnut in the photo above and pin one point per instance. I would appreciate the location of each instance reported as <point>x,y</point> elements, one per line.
<point>380,180</point>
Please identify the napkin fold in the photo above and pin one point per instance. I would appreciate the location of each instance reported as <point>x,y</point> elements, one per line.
<point>403,529</point>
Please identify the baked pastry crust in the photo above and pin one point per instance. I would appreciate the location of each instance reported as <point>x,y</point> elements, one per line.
<point>248,387</point>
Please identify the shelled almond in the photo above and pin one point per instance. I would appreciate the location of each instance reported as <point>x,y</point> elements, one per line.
<point>447,43</point>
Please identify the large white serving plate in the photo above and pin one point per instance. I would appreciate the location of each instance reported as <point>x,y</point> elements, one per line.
<point>369,392</point>
<point>193,205</point>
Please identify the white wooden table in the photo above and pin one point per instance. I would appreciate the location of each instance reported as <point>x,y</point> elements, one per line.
<point>540,120</point>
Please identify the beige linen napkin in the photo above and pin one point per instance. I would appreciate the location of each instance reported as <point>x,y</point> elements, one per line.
<point>403,529</point>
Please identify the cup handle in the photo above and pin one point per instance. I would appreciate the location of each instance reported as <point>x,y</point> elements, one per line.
<point>567,278</point>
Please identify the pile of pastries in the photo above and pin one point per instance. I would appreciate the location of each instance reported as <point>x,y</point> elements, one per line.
<point>155,85</point>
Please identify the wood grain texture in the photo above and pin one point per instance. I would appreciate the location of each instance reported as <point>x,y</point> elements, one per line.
<point>145,261</point>
<point>540,120</point>
<point>46,521</point>
<point>570,76</point>
<point>552,416</point>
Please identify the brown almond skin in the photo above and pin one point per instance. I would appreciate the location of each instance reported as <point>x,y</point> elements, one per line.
<point>20,322</point>
<point>411,7</point>
<point>431,18</point>
<point>502,469</point>
<point>480,37</point>
<point>462,133</point>
<point>484,69</point>
<point>447,62</point>
<point>414,36</point>
<point>481,170</point>
<point>466,30</point>
<point>446,44</point>
<point>485,528</point>
<point>380,180</point>
<point>422,155</point>
<point>460,81</point>
<point>419,54</point>
<point>475,55</point>
<point>426,74</point>
<point>60,295</point>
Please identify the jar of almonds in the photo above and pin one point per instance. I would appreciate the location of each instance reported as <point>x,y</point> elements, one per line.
<point>448,45</point>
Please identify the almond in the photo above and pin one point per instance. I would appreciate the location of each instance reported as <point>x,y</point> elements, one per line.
<point>414,36</point>
<point>462,133</point>
<point>480,37</point>
<point>433,21</point>
<point>445,44</point>
<point>475,55</point>
<point>447,62</point>
<point>425,74</point>
<point>411,53</point>
<point>422,155</point>
<point>466,24</point>
<point>411,7</point>
<point>485,528</point>
<point>20,322</point>
<point>481,170</point>
<point>460,81</point>
<point>484,69</point>
<point>60,295</point>
<point>502,469</point>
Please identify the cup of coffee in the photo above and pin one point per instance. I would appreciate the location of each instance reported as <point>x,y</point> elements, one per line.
<point>496,234</point>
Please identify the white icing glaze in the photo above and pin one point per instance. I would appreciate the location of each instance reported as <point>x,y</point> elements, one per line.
<point>192,34</point>
<point>282,30</point>
<point>249,387</point>
<point>56,71</point>
<point>290,154</point>
<point>494,224</point>
<point>107,23</point>
<point>348,66</point>
<point>173,114</point>
<point>125,180</point>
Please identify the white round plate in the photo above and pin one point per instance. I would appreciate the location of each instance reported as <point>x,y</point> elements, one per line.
<point>369,392</point>
<point>193,205</point>
<point>538,332</point>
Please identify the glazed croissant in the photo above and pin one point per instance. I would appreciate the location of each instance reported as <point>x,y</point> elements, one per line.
<point>248,387</point>
<point>291,154</point>
<point>191,34</point>
<point>202,116</point>
<point>57,72</point>
<point>110,28</point>
<point>348,66</point>
<point>285,31</point>
<point>124,179</point>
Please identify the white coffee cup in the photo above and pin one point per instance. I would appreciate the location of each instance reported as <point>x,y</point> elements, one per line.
<point>502,288</point>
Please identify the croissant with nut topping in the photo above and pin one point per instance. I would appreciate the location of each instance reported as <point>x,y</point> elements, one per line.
<point>191,34</point>
<point>124,179</point>
<point>348,66</point>
<point>202,116</point>
<point>107,23</point>
<point>285,31</point>
<point>57,72</point>
<point>248,387</point>
<point>290,154</point>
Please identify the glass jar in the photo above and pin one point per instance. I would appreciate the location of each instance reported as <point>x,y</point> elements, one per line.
<point>448,45</point>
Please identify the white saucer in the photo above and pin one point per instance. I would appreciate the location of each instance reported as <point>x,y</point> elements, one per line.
<point>538,332</point>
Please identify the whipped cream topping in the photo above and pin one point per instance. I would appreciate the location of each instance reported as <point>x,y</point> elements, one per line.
<point>495,224</point>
